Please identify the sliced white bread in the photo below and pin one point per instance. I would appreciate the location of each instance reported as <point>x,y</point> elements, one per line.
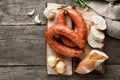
<point>99,22</point>
<point>91,61</point>
<point>87,15</point>
<point>97,34</point>
<point>93,43</point>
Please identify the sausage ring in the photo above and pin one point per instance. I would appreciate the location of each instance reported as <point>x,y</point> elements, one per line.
<point>61,20</point>
<point>60,28</point>
<point>77,19</point>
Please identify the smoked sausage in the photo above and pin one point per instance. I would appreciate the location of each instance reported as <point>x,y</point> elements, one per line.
<point>60,48</point>
<point>77,19</point>
<point>76,38</point>
<point>62,20</point>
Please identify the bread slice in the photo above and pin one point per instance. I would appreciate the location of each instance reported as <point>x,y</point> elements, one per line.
<point>99,22</point>
<point>91,61</point>
<point>97,34</point>
<point>93,43</point>
<point>50,52</point>
<point>87,14</point>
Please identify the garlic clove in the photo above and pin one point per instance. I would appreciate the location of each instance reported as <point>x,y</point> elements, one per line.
<point>31,12</point>
<point>37,19</point>
<point>52,61</point>
<point>49,13</point>
<point>60,67</point>
<point>51,16</point>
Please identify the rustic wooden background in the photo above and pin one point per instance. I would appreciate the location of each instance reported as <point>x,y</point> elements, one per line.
<point>22,45</point>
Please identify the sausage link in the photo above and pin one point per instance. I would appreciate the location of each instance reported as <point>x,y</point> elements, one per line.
<point>61,17</point>
<point>67,42</point>
<point>62,20</point>
<point>62,49</point>
<point>60,28</point>
<point>79,23</point>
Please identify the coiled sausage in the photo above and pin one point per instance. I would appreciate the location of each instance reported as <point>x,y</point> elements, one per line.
<point>79,23</point>
<point>60,28</point>
<point>60,48</point>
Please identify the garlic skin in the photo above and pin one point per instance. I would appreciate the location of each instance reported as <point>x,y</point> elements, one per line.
<point>31,13</point>
<point>52,61</point>
<point>51,16</point>
<point>37,19</point>
<point>60,67</point>
<point>49,13</point>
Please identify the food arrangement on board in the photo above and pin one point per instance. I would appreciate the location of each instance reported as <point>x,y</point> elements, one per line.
<point>73,33</point>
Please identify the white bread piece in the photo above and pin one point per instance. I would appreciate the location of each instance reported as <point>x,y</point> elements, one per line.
<point>87,14</point>
<point>98,52</point>
<point>97,34</point>
<point>93,43</point>
<point>91,61</point>
<point>99,22</point>
<point>51,52</point>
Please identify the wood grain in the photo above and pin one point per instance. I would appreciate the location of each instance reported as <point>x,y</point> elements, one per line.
<point>14,12</point>
<point>22,45</point>
<point>25,45</point>
<point>112,48</point>
<point>38,73</point>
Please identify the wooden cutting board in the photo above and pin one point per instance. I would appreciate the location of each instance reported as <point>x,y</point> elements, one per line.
<point>68,61</point>
<point>50,52</point>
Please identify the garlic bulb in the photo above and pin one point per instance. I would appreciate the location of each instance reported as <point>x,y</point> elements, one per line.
<point>49,13</point>
<point>52,61</point>
<point>60,67</point>
<point>37,19</point>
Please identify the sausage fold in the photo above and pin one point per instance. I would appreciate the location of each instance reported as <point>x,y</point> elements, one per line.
<point>68,35</point>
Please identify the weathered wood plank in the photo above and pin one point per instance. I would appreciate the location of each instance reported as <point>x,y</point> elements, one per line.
<point>112,48</point>
<point>14,12</point>
<point>22,45</point>
<point>22,32</point>
<point>25,45</point>
<point>39,73</point>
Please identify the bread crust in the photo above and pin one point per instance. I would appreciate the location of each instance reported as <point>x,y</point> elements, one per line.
<point>91,61</point>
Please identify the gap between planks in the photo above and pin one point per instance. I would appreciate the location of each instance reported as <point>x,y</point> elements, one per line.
<point>22,24</point>
<point>44,65</point>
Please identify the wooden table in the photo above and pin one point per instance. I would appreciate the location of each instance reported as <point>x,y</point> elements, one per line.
<point>22,45</point>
